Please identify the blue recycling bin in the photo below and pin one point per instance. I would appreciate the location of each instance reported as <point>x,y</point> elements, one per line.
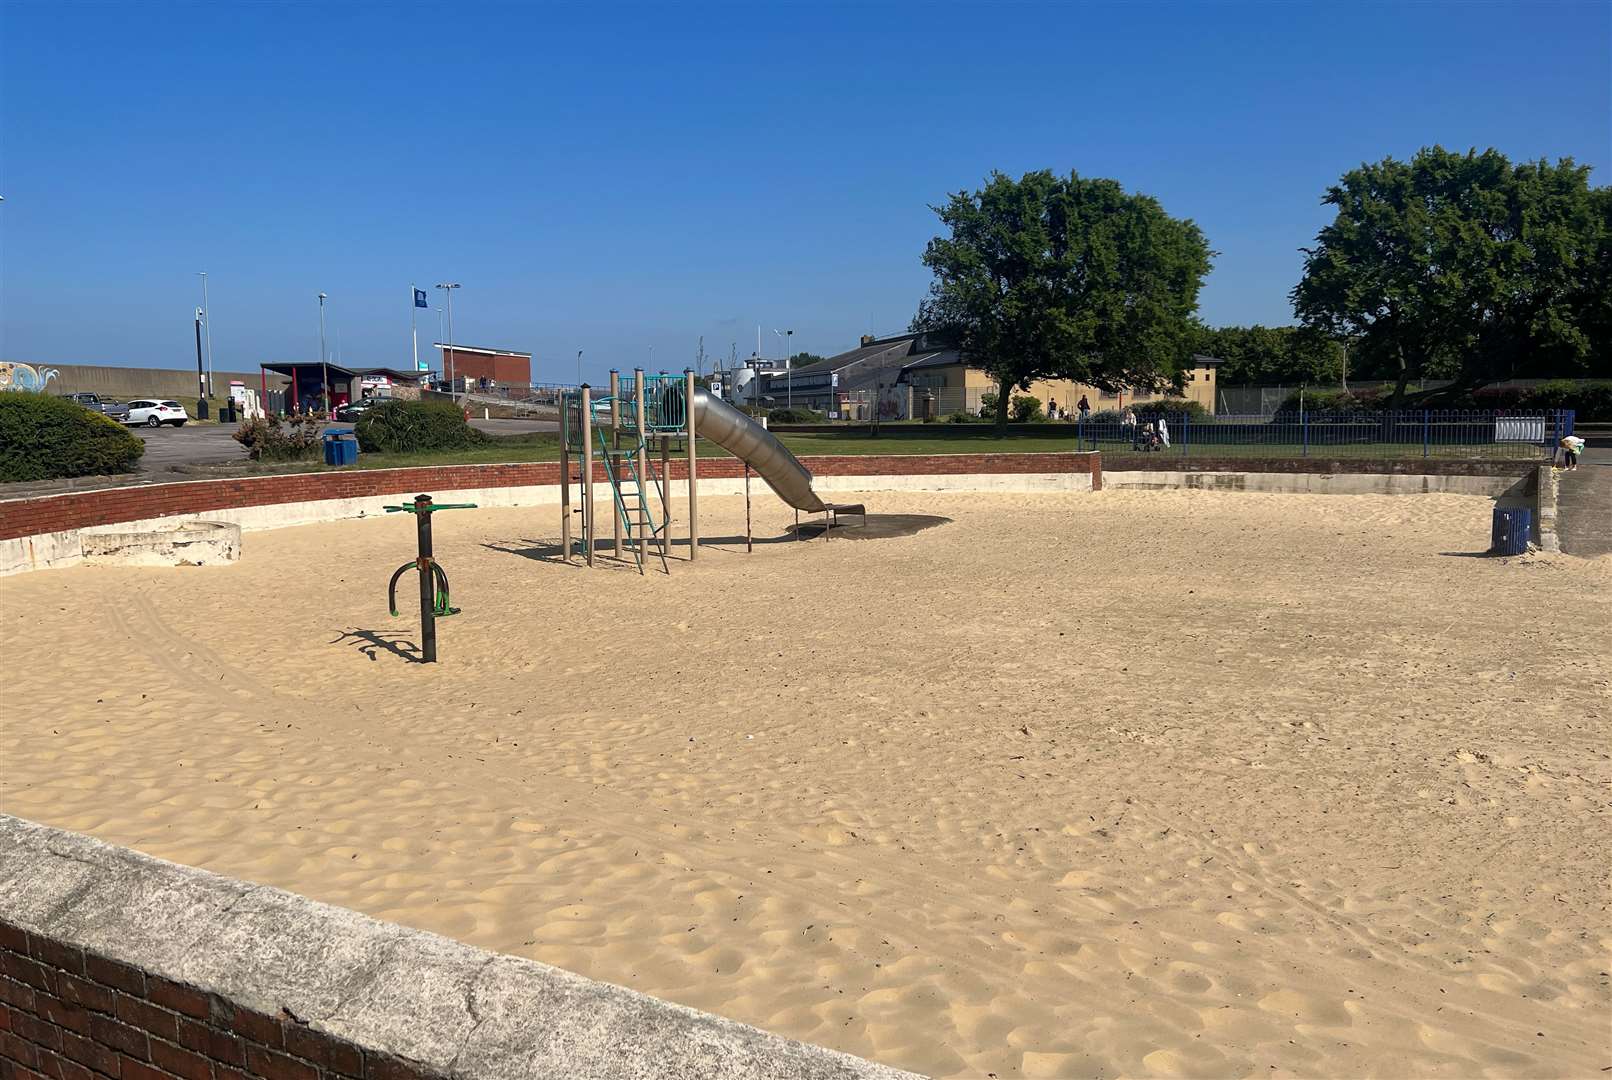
<point>341,446</point>
<point>1512,528</point>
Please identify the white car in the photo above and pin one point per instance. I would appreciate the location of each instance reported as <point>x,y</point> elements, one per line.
<point>156,413</point>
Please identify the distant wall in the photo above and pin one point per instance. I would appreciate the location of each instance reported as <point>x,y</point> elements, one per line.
<point>118,965</point>
<point>123,383</point>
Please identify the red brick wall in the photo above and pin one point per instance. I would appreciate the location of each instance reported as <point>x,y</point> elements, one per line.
<point>70,1014</point>
<point>502,367</point>
<point>57,513</point>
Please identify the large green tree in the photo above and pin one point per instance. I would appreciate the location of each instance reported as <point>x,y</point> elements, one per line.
<point>1054,276</point>
<point>1461,266</point>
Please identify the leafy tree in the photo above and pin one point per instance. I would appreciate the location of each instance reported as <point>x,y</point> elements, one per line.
<point>1271,354</point>
<point>1461,266</point>
<point>1065,277</point>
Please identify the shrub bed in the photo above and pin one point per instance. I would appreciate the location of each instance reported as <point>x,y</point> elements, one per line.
<point>404,427</point>
<point>273,439</point>
<point>48,438</point>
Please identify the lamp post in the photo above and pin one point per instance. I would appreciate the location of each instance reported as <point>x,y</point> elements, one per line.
<point>324,357</point>
<point>789,368</point>
<point>579,367</point>
<point>201,380</point>
<point>448,287</point>
<point>207,321</point>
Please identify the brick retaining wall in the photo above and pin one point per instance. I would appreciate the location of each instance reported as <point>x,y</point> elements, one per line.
<point>76,510</point>
<point>118,966</point>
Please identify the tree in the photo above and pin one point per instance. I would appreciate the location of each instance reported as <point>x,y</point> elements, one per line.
<point>801,359</point>
<point>1271,354</point>
<point>1065,277</point>
<point>1459,266</point>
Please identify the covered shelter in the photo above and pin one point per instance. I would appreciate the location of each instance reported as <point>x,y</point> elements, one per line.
<point>306,383</point>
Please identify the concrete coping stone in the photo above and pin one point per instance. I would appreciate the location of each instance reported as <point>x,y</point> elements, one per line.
<point>440,1005</point>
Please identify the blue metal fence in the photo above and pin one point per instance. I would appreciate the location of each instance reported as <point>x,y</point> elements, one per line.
<point>1467,435</point>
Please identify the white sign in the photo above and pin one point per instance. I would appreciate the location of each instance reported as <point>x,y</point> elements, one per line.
<point>716,387</point>
<point>834,379</point>
<point>834,416</point>
<point>375,382</point>
<point>1519,429</point>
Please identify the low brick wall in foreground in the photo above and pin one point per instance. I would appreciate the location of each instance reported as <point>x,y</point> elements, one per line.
<point>118,966</point>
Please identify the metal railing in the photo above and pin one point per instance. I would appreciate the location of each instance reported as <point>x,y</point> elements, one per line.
<point>1462,435</point>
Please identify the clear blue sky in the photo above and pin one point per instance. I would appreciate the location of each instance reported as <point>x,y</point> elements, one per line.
<point>620,178</point>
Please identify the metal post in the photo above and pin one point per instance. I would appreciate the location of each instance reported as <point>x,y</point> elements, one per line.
<point>201,380</point>
<point>693,478</point>
<point>749,543</point>
<point>1186,429</point>
<point>1425,433</point>
<point>615,444</point>
<point>586,502</point>
<point>643,465</point>
<point>1304,422</point>
<point>665,485</point>
<point>428,613</point>
<point>207,318</point>
<point>324,356</point>
<point>565,480</point>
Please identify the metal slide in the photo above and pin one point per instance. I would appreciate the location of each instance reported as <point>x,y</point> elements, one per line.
<point>748,441</point>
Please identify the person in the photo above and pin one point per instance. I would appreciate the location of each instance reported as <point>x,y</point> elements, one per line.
<point>1164,432</point>
<point>1572,446</point>
<point>1127,418</point>
<point>1085,408</point>
<point>1052,409</point>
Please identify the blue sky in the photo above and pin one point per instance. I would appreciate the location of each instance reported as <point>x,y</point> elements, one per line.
<point>621,178</point>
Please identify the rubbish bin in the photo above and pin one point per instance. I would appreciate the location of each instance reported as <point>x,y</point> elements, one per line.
<point>1512,528</point>
<point>341,447</point>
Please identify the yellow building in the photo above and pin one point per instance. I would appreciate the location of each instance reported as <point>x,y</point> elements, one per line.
<point>943,384</point>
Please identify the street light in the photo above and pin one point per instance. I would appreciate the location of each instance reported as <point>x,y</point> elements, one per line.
<point>207,321</point>
<point>448,287</point>
<point>579,367</point>
<point>324,357</point>
<point>201,381</point>
<point>789,368</point>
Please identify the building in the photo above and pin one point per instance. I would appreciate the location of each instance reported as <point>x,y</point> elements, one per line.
<point>915,375</point>
<point>472,366</point>
<point>304,391</point>
<point>942,383</point>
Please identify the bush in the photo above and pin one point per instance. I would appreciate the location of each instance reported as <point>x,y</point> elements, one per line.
<point>963,418</point>
<point>403,427</point>
<point>45,438</point>
<point>273,439</point>
<point>1026,409</point>
<point>988,404</point>
<point>1170,407</point>
<point>794,416</point>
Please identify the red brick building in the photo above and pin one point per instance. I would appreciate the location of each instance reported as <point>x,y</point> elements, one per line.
<point>472,364</point>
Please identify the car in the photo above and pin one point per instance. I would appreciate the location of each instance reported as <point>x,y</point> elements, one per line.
<point>354,409</point>
<point>156,413</point>
<point>114,409</point>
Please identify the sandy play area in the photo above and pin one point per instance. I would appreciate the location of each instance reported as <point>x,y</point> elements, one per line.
<point>1126,784</point>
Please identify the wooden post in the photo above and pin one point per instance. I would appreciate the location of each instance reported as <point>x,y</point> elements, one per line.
<point>565,481</point>
<point>587,474</point>
<point>693,477</point>
<point>643,464</point>
<point>615,444</point>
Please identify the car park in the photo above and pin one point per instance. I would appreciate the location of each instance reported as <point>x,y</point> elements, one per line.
<point>354,409</point>
<point>156,413</point>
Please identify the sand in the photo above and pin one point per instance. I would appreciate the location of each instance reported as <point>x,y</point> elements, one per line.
<point>1136,783</point>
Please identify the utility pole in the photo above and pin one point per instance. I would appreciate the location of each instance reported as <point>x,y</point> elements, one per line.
<point>324,356</point>
<point>207,321</point>
<point>201,379</point>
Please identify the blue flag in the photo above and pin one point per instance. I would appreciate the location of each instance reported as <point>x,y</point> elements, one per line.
<point>419,298</point>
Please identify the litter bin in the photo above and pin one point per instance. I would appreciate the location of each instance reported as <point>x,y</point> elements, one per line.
<point>341,447</point>
<point>1512,527</point>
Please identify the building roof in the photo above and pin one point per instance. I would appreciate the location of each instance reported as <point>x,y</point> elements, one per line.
<point>456,347</point>
<point>288,367</point>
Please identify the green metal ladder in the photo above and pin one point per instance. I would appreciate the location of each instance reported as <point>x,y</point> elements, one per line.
<point>638,519</point>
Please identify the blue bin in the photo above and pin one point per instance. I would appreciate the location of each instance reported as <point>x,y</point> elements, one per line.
<point>1512,528</point>
<point>341,447</point>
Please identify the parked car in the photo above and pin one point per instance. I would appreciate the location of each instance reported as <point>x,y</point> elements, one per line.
<point>115,409</point>
<point>354,409</point>
<point>156,413</point>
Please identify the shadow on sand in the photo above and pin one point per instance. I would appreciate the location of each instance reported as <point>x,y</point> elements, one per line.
<point>877,527</point>
<point>372,642</point>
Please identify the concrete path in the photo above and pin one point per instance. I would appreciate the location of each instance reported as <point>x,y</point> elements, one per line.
<point>1584,504</point>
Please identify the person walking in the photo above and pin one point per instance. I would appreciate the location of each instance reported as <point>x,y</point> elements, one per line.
<point>1085,409</point>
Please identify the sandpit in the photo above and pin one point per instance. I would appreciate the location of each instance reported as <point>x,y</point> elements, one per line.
<point>1135,783</point>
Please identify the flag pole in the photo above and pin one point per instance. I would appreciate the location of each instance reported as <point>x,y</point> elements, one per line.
<point>414,327</point>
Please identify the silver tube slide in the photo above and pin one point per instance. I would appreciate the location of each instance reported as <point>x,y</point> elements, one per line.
<point>748,441</point>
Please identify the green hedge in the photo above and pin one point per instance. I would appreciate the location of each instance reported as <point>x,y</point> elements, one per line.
<point>45,438</point>
<point>404,427</point>
<point>1591,400</point>
<point>1170,407</point>
<point>795,416</point>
